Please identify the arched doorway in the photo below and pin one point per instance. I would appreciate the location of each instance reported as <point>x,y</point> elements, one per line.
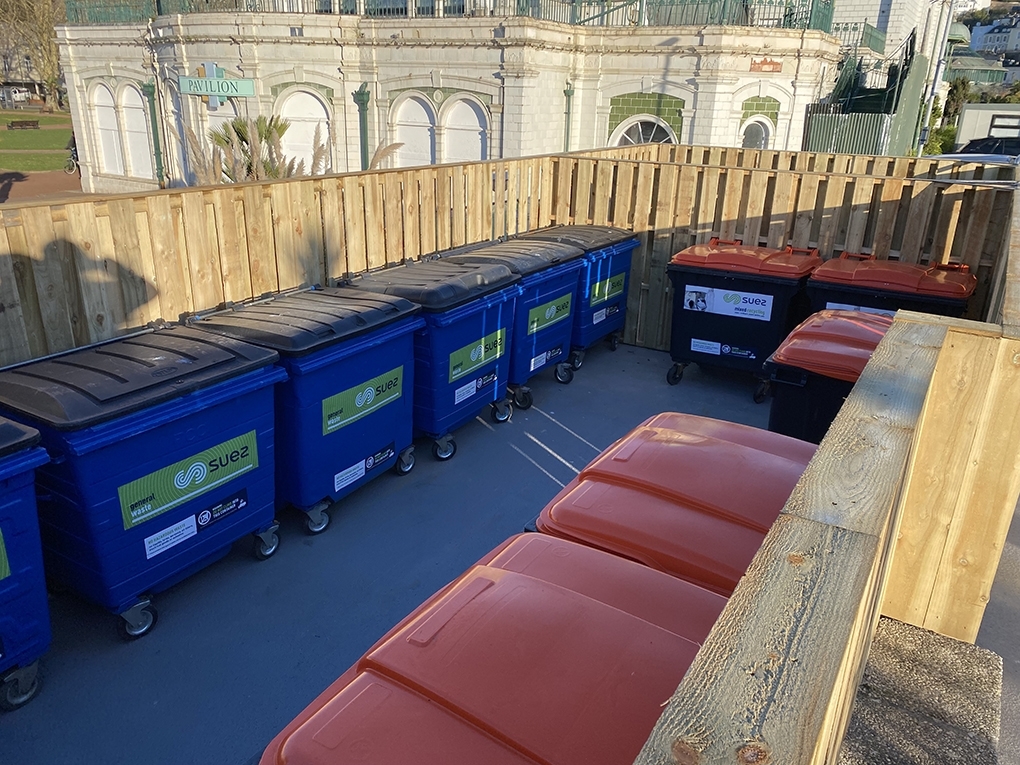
<point>756,135</point>
<point>415,127</point>
<point>466,136</point>
<point>304,112</point>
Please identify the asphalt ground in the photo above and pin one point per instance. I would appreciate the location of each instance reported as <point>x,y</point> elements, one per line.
<point>243,646</point>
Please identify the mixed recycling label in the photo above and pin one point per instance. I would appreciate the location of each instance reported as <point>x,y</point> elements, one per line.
<point>743,305</point>
<point>173,485</point>
<point>477,354</point>
<point>5,565</point>
<point>607,289</point>
<point>549,313</point>
<point>351,405</point>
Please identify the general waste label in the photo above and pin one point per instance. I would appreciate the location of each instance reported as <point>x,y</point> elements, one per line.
<point>175,484</point>
<point>5,565</point>
<point>743,305</point>
<point>354,403</point>
<point>549,313</point>
<point>607,289</point>
<point>477,354</point>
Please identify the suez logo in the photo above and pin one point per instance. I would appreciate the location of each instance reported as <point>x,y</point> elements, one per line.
<point>174,485</point>
<point>466,360</point>
<point>340,410</point>
<point>550,313</point>
<point>736,298</point>
<point>607,289</point>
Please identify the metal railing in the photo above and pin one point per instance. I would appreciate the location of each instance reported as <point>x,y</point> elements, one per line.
<point>788,14</point>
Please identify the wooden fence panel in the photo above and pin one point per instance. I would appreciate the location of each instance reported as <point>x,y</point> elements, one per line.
<point>15,325</point>
<point>161,254</point>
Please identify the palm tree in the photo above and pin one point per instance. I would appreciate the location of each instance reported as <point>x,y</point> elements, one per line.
<point>251,148</point>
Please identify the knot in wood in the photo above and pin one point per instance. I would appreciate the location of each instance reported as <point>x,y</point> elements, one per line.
<point>795,558</point>
<point>753,754</point>
<point>684,753</point>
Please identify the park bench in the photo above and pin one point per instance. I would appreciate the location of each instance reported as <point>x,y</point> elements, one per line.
<point>23,125</point>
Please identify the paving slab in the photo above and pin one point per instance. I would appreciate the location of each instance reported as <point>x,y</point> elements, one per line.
<point>243,646</point>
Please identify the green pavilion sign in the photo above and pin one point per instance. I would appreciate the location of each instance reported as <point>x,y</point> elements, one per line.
<point>220,87</point>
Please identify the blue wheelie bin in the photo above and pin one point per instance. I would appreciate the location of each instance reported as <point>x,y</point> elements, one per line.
<point>24,612</point>
<point>461,358</point>
<point>344,414</point>
<point>162,458</point>
<point>602,291</point>
<point>544,315</point>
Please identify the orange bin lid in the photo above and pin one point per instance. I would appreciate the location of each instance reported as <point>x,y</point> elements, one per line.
<point>690,496</point>
<point>942,281</point>
<point>733,256</point>
<point>836,344</point>
<point>546,652</point>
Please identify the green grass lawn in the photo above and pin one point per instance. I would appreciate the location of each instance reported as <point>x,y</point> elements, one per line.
<point>6,115</point>
<point>27,163</point>
<point>33,139</point>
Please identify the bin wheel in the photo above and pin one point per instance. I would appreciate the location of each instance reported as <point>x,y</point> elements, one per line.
<point>266,548</point>
<point>405,462</point>
<point>614,342</point>
<point>675,374</point>
<point>576,360</point>
<point>523,398</point>
<point>318,518</point>
<point>501,411</point>
<point>762,391</point>
<point>147,618</point>
<point>18,690</point>
<point>564,373</point>
<point>444,449</point>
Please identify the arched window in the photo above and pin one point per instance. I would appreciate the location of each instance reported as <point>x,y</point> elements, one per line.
<point>756,135</point>
<point>643,130</point>
<point>415,127</point>
<point>111,153</point>
<point>304,112</point>
<point>466,138</point>
<point>136,134</point>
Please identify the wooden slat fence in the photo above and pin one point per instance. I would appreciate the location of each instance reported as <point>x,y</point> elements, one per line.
<point>87,269</point>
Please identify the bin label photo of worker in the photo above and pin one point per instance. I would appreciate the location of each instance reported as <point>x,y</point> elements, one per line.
<point>173,485</point>
<point>743,305</point>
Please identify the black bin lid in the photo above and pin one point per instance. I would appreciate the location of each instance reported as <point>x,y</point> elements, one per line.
<point>14,437</point>
<point>302,322</point>
<point>103,382</point>
<point>520,256</point>
<point>438,285</point>
<point>586,237</point>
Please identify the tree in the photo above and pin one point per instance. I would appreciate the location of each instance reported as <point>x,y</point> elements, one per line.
<point>959,94</point>
<point>29,25</point>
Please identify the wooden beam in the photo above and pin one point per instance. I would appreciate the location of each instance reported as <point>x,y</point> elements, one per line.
<point>775,679</point>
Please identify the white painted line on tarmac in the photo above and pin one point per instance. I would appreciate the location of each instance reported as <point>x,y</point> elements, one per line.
<point>486,424</point>
<point>554,454</point>
<point>551,476</point>
<point>582,440</point>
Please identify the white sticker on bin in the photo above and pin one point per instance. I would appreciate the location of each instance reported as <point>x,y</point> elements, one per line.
<point>169,537</point>
<point>706,346</point>
<point>742,305</point>
<point>538,361</point>
<point>598,316</point>
<point>349,476</point>
<point>464,392</point>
